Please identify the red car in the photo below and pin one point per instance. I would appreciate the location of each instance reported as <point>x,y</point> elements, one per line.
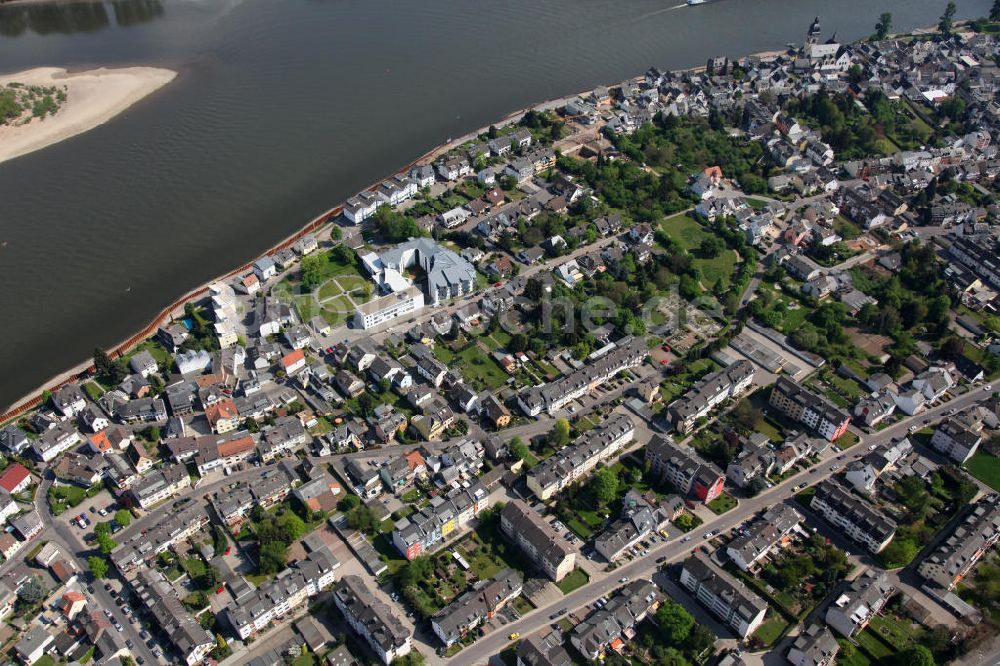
<point>664,362</point>
<point>229,549</point>
<point>665,348</point>
<point>220,589</point>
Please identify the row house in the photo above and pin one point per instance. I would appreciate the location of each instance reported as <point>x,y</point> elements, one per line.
<point>954,557</point>
<point>552,397</point>
<point>285,436</point>
<point>159,485</point>
<point>863,598</point>
<point>178,523</point>
<point>277,598</point>
<point>441,520</point>
<point>774,528</point>
<point>853,516</point>
<point>708,392</point>
<point>577,460</point>
<point>272,487</point>
<point>476,606</point>
<point>612,625</point>
<point>185,634</point>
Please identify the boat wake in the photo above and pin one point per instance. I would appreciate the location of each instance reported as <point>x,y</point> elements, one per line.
<point>661,11</point>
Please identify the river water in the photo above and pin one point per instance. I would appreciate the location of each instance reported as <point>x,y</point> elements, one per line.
<point>283,109</point>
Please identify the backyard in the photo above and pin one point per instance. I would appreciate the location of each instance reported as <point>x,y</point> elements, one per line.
<point>985,467</point>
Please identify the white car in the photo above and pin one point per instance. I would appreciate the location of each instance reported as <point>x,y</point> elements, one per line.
<point>988,388</point>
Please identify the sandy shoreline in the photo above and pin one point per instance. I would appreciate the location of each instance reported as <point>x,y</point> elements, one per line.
<point>93,98</point>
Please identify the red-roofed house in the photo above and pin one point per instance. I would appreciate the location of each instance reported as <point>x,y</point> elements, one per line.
<point>292,363</point>
<point>15,479</point>
<point>223,416</point>
<point>99,442</point>
<point>72,603</point>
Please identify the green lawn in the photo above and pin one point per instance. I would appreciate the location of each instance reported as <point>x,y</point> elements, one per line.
<point>92,390</point>
<point>685,230</point>
<point>771,630</point>
<point>986,468</point>
<point>846,441</point>
<point>850,655</point>
<point>689,234</point>
<point>329,290</point>
<point>576,579</point>
<point>65,497</point>
<point>479,368</point>
<point>873,646</point>
<point>722,503</point>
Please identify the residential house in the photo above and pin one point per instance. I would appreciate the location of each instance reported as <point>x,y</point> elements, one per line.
<point>539,542</point>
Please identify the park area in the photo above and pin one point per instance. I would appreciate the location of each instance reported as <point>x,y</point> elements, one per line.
<point>690,235</point>
<point>328,284</point>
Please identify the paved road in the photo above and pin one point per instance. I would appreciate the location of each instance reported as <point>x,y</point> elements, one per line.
<point>601,585</point>
<point>62,534</point>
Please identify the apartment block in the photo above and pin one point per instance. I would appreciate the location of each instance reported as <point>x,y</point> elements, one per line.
<point>856,518</point>
<point>681,469</point>
<point>863,598</point>
<point>804,406</point>
<point>372,619</point>
<point>537,540</point>
<point>955,556</point>
<point>730,601</point>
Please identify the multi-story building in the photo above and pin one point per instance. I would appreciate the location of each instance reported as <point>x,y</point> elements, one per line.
<point>159,485</point>
<point>617,619</point>
<point>372,619</point>
<point>856,518</point>
<point>179,521</point>
<point>863,598</point>
<point>575,461</point>
<point>184,632</point>
<point>282,595</point>
<point>386,308</point>
<point>816,412</point>
<point>707,392</point>
<point>956,440</point>
<point>60,437</point>
<point>448,275</point>
<point>552,397</point>
<point>954,557</point>
<point>641,517</point>
<point>730,601</point>
<point>687,474</point>
<point>476,606</point>
<point>537,540</point>
<point>776,526</point>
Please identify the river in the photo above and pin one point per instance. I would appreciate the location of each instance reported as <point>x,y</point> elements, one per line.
<point>283,109</point>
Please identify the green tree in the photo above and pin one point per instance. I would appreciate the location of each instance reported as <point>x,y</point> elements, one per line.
<point>883,25</point>
<point>947,21</point>
<point>605,486</point>
<point>674,621</point>
<point>348,503</point>
<point>98,566</point>
<point>31,592</point>
<point>995,11</point>
<point>361,518</point>
<point>412,659</point>
<point>700,639</point>
<point>559,437</point>
<point>917,655</point>
<point>519,449</point>
<point>711,247</point>
<point>123,517</point>
<point>106,544</point>
<point>273,557</point>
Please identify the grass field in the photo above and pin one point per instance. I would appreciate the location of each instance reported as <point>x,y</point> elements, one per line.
<point>722,503</point>
<point>576,579</point>
<point>689,235</point>
<point>771,630</point>
<point>478,367</point>
<point>329,290</point>
<point>986,468</point>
